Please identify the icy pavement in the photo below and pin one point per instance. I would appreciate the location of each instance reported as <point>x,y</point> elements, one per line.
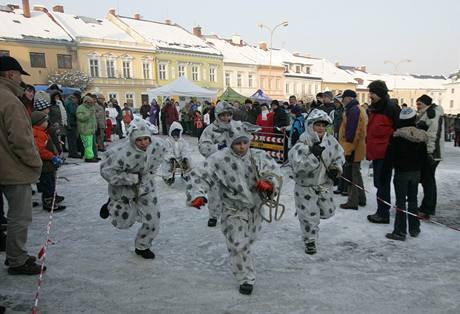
<point>92,267</point>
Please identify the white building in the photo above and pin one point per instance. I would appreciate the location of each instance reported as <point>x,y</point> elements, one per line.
<point>451,103</point>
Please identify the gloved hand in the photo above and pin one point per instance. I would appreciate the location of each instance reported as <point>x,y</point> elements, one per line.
<point>221,146</point>
<point>264,186</point>
<point>317,149</point>
<point>332,172</point>
<point>56,161</point>
<point>199,202</point>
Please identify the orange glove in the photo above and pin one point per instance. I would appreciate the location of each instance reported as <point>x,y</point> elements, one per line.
<point>264,186</point>
<point>198,202</point>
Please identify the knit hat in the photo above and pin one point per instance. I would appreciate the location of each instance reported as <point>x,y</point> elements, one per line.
<point>379,88</point>
<point>328,94</point>
<point>42,101</point>
<point>349,93</point>
<point>38,117</point>
<point>427,100</point>
<point>406,114</point>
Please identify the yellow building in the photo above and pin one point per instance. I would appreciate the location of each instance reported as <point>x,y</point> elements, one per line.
<point>39,44</point>
<point>177,52</point>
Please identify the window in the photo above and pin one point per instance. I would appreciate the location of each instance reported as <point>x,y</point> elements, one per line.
<point>287,88</point>
<point>250,80</point>
<point>451,104</point>
<point>307,70</point>
<point>146,70</point>
<point>5,53</point>
<point>270,81</point>
<point>130,99</point>
<point>127,69</point>
<point>453,90</point>
<point>94,67</point>
<point>181,70</point>
<point>37,60</point>
<point>262,83</point>
<point>303,89</point>
<point>212,74</point>
<point>277,84</point>
<point>411,102</point>
<point>162,71</point>
<point>227,79</point>
<point>297,69</point>
<point>402,101</point>
<point>110,63</point>
<point>194,73</point>
<point>286,68</point>
<point>238,79</point>
<point>113,96</point>
<point>64,61</point>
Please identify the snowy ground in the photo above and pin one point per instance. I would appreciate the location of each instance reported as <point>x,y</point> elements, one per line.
<point>92,267</point>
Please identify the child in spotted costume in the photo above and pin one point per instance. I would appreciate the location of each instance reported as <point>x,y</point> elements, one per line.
<point>178,154</point>
<point>239,175</point>
<point>316,160</point>
<point>214,138</point>
<point>130,171</point>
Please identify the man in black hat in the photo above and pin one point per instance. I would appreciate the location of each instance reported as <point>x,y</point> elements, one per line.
<point>19,168</point>
<point>383,115</point>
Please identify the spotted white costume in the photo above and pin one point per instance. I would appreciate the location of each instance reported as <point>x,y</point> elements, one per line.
<point>217,136</point>
<point>130,173</point>
<point>177,150</point>
<point>234,179</point>
<point>313,197</point>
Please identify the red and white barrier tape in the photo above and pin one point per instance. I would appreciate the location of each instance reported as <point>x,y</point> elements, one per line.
<point>399,209</point>
<point>42,252</point>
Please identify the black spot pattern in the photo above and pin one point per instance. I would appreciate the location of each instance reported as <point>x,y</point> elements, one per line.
<point>125,215</point>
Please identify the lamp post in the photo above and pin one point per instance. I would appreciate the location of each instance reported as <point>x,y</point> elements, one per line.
<point>396,70</point>
<point>272,30</point>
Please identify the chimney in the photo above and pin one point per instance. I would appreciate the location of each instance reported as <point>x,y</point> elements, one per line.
<point>40,8</point>
<point>26,8</point>
<point>263,45</point>
<point>197,31</point>
<point>168,21</point>
<point>58,8</point>
<point>137,16</point>
<point>236,39</point>
<point>363,68</point>
<point>112,12</point>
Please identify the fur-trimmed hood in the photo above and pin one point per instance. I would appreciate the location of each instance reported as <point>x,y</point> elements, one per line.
<point>411,133</point>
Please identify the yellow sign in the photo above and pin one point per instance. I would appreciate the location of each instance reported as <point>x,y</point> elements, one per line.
<point>270,146</point>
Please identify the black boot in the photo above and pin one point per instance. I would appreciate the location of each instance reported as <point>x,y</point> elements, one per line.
<point>376,219</point>
<point>246,288</point>
<point>59,198</point>
<point>104,212</point>
<point>28,268</point>
<point>396,236</point>
<point>310,248</point>
<point>212,222</point>
<point>48,202</point>
<point>147,254</point>
<point>30,259</point>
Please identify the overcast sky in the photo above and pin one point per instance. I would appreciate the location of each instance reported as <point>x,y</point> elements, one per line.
<point>353,32</point>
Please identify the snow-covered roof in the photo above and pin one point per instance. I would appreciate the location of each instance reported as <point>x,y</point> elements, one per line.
<point>81,27</point>
<point>398,81</point>
<point>232,53</point>
<point>169,36</point>
<point>13,25</point>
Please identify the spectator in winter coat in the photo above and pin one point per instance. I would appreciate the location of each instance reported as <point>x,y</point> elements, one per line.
<point>383,116</point>
<point>280,117</point>
<point>127,115</point>
<point>214,138</point>
<point>108,127</point>
<point>145,109</point>
<point>352,138</point>
<point>71,104</point>
<point>430,118</point>
<point>316,160</point>
<point>177,154</point>
<point>298,125</point>
<point>265,120</point>
<point>170,114</point>
<point>58,114</point>
<point>242,177</point>
<point>100,121</point>
<point>457,131</point>
<point>328,105</point>
<point>42,102</point>
<point>253,112</point>
<point>130,171</point>
<point>20,166</point>
<point>406,153</point>
<point>118,118</point>
<point>50,159</point>
<point>28,98</point>
<point>154,114</point>
<point>86,121</point>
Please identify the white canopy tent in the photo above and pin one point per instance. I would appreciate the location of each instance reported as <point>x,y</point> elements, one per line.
<point>181,87</point>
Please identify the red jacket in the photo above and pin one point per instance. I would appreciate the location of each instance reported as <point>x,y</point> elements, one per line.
<point>41,140</point>
<point>380,128</point>
<point>170,114</point>
<point>266,125</point>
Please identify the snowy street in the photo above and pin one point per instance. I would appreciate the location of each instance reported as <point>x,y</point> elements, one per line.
<point>92,267</point>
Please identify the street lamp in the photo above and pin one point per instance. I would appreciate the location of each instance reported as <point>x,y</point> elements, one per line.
<point>396,70</point>
<point>272,30</point>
